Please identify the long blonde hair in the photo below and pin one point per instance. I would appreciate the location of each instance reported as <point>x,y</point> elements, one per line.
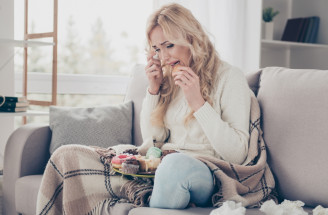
<point>180,27</point>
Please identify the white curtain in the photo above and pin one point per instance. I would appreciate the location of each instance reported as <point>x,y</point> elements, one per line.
<point>234,27</point>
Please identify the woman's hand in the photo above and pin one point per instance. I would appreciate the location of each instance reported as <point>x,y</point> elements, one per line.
<point>154,73</point>
<point>185,78</point>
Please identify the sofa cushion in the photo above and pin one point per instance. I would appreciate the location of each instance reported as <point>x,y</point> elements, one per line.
<point>294,106</point>
<point>98,126</point>
<point>157,211</point>
<point>117,209</point>
<point>26,192</point>
<point>188,211</point>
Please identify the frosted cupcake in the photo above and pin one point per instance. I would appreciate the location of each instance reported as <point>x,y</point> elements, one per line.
<point>154,152</point>
<point>130,166</point>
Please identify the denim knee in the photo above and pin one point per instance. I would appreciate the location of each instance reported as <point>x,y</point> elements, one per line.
<point>180,178</point>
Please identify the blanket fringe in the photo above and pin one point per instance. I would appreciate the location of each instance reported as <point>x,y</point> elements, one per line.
<point>106,155</point>
<point>138,191</point>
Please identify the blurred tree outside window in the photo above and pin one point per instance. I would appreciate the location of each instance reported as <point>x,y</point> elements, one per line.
<point>95,37</point>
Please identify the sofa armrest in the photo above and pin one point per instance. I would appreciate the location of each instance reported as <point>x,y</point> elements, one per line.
<point>26,153</point>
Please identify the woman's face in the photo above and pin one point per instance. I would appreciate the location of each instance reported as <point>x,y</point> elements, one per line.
<point>169,53</point>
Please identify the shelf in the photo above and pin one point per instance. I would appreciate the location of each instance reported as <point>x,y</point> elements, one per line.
<point>286,44</point>
<point>27,113</point>
<point>24,43</point>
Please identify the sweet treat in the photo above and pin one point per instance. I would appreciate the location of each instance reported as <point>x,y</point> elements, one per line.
<point>130,166</point>
<point>119,159</point>
<point>154,152</point>
<point>148,164</point>
<point>175,69</point>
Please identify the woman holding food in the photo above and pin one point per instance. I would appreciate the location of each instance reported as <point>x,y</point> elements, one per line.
<point>196,103</point>
<point>198,110</point>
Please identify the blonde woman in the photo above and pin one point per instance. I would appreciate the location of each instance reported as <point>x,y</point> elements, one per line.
<point>200,108</point>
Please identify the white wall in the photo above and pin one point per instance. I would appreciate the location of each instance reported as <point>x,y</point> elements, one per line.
<point>6,68</point>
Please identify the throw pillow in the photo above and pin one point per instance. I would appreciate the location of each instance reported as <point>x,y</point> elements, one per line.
<point>97,126</point>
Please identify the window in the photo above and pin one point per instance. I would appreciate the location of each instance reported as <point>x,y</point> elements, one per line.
<point>98,42</point>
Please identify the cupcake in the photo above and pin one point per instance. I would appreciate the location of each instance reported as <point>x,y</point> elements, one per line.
<point>130,166</point>
<point>148,165</point>
<point>154,152</point>
<point>119,159</point>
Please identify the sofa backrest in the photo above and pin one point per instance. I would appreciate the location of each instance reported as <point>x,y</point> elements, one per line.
<point>294,105</point>
<point>136,92</point>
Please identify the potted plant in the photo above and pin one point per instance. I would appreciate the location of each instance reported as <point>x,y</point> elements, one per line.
<point>267,16</point>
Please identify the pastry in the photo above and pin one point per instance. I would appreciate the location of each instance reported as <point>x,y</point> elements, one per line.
<point>119,159</point>
<point>154,152</point>
<point>130,166</point>
<point>175,69</point>
<point>148,164</point>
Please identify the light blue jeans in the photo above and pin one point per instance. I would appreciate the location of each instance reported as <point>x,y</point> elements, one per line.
<point>181,179</point>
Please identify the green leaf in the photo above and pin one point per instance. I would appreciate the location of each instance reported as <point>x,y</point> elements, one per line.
<point>269,14</point>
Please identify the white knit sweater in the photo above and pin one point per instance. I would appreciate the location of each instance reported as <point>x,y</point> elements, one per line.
<point>221,130</point>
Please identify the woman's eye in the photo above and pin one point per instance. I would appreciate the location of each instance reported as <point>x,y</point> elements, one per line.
<point>157,50</point>
<point>170,46</point>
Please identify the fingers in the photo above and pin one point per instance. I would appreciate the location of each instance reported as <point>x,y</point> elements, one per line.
<point>152,62</point>
<point>150,55</point>
<point>153,65</point>
<point>184,76</point>
<point>153,68</point>
<point>154,71</point>
<point>153,56</point>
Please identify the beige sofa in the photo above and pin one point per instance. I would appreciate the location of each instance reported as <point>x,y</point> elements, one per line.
<point>294,106</point>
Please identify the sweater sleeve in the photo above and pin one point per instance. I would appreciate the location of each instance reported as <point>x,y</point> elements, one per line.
<point>149,131</point>
<point>226,125</point>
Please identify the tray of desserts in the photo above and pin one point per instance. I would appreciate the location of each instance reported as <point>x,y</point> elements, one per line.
<point>140,174</point>
<point>133,164</point>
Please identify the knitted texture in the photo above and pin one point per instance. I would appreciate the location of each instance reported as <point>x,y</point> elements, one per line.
<point>218,130</point>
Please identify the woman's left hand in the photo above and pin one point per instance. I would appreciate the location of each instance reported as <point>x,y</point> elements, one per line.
<point>185,78</point>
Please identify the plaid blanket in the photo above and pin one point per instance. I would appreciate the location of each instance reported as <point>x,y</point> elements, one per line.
<point>79,180</point>
<point>250,183</point>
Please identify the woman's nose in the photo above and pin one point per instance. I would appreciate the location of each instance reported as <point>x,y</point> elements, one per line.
<point>164,56</point>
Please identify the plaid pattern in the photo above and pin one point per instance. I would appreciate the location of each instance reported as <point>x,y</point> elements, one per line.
<point>251,182</point>
<point>78,180</point>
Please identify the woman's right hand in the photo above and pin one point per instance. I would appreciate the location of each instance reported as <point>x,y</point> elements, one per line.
<point>154,73</point>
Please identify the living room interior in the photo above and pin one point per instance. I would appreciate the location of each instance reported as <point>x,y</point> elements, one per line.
<point>99,43</point>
